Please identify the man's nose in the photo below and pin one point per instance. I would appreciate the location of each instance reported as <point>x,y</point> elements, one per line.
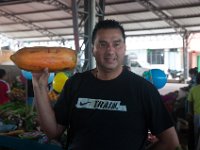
<point>110,46</point>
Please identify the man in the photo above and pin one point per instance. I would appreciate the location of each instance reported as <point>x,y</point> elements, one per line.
<point>107,107</point>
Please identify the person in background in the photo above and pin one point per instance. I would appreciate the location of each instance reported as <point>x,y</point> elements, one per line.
<point>108,107</point>
<point>192,73</point>
<point>4,88</point>
<point>194,107</point>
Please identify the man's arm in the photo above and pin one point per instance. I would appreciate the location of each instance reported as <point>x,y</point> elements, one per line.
<point>167,140</point>
<point>45,111</point>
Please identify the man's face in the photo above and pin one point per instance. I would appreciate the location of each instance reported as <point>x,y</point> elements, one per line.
<point>109,49</point>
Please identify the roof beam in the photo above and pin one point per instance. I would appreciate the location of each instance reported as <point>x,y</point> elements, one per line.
<point>160,28</point>
<point>39,21</point>
<point>147,4</point>
<point>25,37</point>
<point>39,36</point>
<point>130,35</point>
<point>196,4</point>
<point>14,2</point>
<point>130,21</point>
<point>28,24</point>
<point>57,4</point>
<point>118,2</point>
<point>37,12</point>
<point>154,34</point>
<point>137,29</point>
<point>71,34</point>
<point>157,19</point>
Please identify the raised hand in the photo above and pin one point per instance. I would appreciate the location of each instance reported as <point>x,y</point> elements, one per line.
<point>40,79</point>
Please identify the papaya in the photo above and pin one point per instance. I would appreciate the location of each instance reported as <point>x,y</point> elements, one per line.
<point>35,59</point>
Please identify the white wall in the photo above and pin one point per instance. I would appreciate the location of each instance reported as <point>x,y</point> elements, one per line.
<point>172,60</point>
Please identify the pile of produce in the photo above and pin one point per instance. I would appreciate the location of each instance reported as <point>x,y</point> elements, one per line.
<point>19,114</point>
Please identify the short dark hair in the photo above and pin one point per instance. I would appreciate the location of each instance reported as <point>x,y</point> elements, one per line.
<point>198,78</point>
<point>107,24</point>
<point>2,73</point>
<point>193,71</point>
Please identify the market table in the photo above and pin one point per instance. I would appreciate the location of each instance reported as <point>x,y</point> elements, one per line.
<point>25,144</point>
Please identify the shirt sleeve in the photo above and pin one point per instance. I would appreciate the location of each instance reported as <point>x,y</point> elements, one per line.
<point>65,102</point>
<point>158,118</point>
<point>62,106</point>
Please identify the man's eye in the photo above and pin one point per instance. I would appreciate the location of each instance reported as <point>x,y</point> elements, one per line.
<point>116,44</point>
<point>102,45</point>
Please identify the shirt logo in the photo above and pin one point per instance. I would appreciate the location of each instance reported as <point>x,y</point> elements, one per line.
<point>84,103</point>
<point>87,103</point>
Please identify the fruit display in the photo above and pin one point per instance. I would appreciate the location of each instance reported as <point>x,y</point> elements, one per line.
<point>17,94</point>
<point>53,96</point>
<point>19,114</point>
<point>35,59</point>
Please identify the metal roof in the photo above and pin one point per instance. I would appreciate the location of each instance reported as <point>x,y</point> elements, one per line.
<point>42,20</point>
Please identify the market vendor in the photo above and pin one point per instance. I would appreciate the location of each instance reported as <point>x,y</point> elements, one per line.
<point>108,107</point>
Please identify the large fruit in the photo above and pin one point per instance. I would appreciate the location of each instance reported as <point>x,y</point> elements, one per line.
<point>35,59</point>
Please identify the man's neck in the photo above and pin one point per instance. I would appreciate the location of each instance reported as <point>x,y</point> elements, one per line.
<point>107,75</point>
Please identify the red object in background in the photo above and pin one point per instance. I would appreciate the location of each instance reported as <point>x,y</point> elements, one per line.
<point>5,89</point>
<point>169,100</point>
<point>22,79</point>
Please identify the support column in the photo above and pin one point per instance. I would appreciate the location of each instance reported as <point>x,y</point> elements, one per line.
<point>75,25</point>
<point>87,19</point>
<point>92,17</point>
<point>185,56</point>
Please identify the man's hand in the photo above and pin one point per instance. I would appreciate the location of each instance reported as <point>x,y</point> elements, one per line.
<point>40,79</point>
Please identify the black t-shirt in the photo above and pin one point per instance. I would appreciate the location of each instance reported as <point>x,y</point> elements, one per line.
<point>113,114</point>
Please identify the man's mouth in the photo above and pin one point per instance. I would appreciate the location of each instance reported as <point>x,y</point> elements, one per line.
<point>110,59</point>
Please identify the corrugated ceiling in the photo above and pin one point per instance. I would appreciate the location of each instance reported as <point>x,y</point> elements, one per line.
<point>35,20</point>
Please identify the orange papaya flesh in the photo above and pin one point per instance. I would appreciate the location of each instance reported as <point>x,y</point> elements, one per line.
<point>35,59</point>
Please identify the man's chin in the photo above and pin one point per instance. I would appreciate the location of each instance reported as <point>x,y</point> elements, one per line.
<point>111,67</point>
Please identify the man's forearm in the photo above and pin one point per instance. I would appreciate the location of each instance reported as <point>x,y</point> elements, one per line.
<point>45,112</point>
<point>161,146</point>
<point>167,140</point>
